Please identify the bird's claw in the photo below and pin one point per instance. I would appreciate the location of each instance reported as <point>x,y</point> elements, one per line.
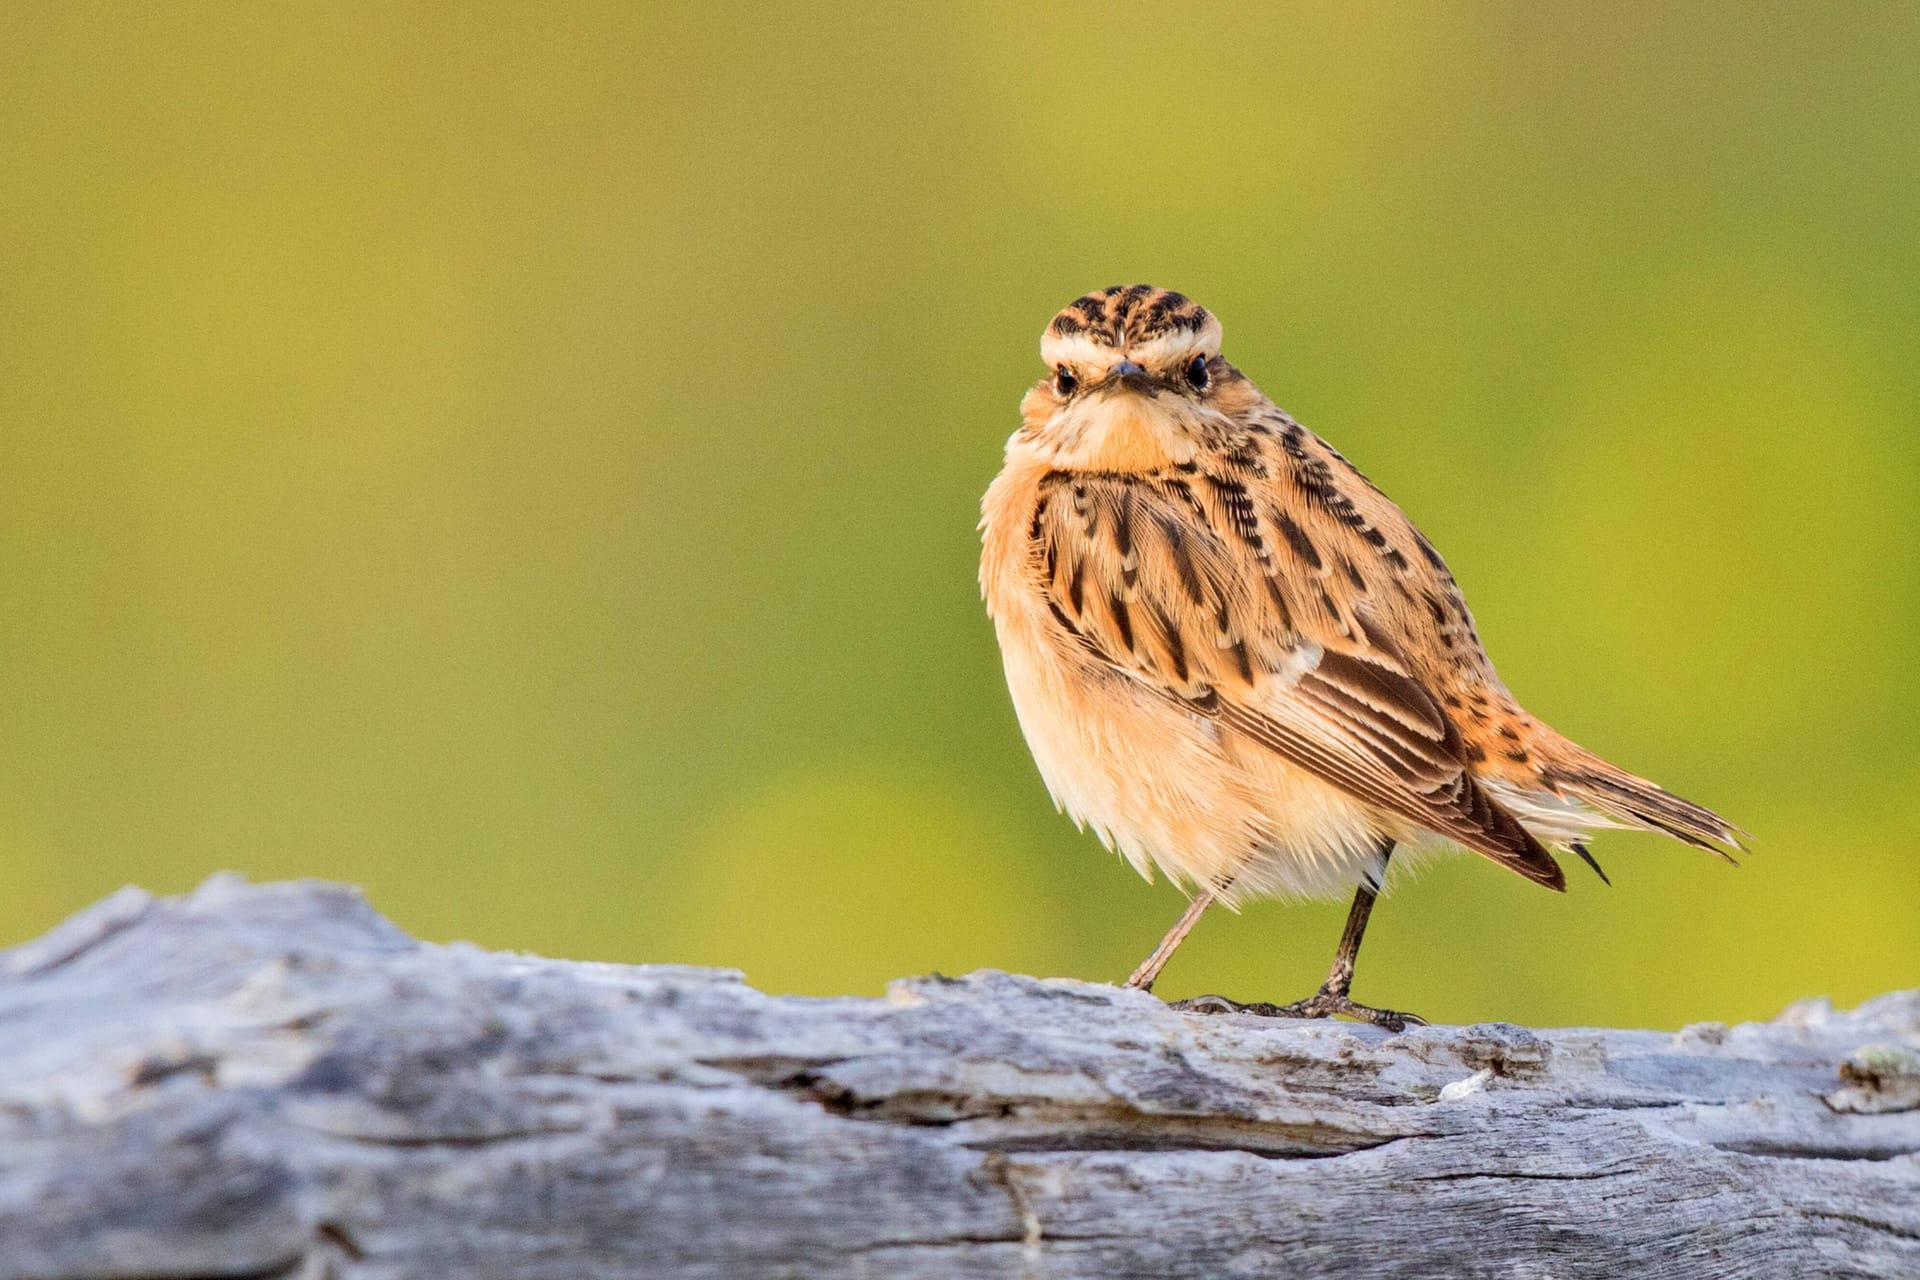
<point>1322,1004</point>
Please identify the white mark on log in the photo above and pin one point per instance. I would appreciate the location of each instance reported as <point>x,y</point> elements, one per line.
<point>1878,1079</point>
<point>1473,1084</point>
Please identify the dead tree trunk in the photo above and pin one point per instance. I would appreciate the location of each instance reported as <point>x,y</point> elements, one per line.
<point>274,1081</point>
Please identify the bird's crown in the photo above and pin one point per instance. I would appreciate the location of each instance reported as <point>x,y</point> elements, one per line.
<point>1130,315</point>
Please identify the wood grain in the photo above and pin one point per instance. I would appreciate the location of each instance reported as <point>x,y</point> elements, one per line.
<point>267,1081</point>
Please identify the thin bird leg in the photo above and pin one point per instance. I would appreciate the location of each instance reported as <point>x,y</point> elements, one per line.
<point>1149,971</point>
<point>1340,978</point>
<point>1331,998</point>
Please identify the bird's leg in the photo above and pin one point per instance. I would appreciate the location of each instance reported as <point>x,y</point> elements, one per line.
<point>1144,977</point>
<point>1332,997</point>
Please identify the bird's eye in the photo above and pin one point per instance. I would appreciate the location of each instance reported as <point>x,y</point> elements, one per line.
<point>1063,380</point>
<point>1197,373</point>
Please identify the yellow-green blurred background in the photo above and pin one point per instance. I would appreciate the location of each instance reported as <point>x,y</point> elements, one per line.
<point>525,459</point>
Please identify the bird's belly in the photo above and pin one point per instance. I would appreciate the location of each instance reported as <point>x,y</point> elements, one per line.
<point>1171,790</point>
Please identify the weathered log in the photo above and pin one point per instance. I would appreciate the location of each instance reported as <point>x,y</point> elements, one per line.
<point>274,1081</point>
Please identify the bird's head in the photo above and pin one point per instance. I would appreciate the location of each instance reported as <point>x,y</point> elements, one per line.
<point>1134,380</point>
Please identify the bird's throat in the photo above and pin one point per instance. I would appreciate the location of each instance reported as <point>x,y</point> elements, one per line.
<point>1124,433</point>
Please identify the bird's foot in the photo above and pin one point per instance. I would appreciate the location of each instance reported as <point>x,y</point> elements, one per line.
<point>1321,1004</point>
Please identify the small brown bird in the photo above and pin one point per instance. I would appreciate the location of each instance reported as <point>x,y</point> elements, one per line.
<point>1240,663</point>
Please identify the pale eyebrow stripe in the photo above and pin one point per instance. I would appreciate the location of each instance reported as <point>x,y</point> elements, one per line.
<point>1080,349</point>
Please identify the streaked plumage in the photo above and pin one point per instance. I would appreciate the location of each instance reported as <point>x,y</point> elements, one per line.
<point>1234,657</point>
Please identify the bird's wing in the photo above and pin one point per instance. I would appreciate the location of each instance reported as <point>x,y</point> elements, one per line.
<point>1188,583</point>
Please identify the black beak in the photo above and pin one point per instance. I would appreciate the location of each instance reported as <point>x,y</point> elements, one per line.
<point>1129,373</point>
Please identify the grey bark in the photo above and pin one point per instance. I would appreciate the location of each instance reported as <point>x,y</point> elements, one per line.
<point>274,1081</point>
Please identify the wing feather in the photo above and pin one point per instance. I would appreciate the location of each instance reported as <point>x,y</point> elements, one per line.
<point>1177,586</point>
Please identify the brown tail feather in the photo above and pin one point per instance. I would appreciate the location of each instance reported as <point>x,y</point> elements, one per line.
<point>1642,803</point>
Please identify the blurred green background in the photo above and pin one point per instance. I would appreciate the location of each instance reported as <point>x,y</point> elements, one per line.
<point>526,460</point>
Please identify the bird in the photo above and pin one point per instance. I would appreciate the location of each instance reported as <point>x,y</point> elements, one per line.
<point>1242,665</point>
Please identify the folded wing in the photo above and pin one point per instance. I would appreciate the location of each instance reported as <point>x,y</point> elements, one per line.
<point>1188,584</point>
